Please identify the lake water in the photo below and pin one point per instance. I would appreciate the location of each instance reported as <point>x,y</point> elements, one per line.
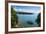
<point>23,18</point>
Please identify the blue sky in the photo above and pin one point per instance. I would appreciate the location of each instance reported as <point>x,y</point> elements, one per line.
<point>27,8</point>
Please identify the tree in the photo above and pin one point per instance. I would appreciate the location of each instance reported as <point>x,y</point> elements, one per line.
<point>14,18</point>
<point>38,20</point>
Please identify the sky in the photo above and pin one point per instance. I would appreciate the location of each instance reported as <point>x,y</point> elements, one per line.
<point>27,8</point>
<point>24,18</point>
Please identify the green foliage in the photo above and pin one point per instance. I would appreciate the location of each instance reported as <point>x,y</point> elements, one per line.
<point>38,19</point>
<point>13,17</point>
